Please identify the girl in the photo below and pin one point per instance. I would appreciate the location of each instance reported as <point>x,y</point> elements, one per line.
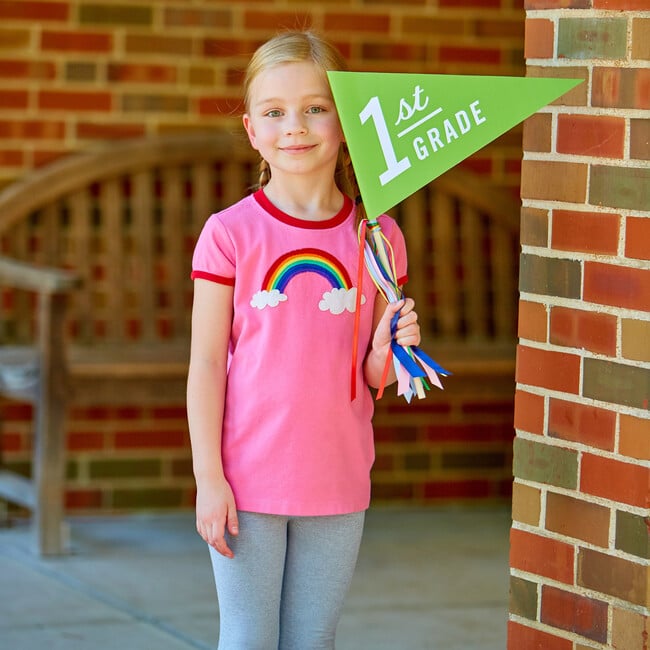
<point>281,454</point>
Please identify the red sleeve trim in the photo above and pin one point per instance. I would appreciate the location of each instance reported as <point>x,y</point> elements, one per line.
<point>402,281</point>
<point>204,275</point>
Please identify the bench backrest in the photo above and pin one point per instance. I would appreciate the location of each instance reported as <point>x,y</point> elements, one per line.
<point>462,236</point>
<point>125,217</point>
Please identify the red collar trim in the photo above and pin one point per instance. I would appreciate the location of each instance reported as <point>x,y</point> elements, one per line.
<point>276,213</point>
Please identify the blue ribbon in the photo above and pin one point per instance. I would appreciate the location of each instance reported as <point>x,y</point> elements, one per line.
<point>413,369</point>
<point>425,358</point>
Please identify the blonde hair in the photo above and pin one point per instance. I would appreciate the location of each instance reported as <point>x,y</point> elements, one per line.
<point>297,47</point>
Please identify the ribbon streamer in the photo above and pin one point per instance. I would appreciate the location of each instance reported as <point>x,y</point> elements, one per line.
<point>412,365</point>
<point>357,314</point>
<point>415,363</point>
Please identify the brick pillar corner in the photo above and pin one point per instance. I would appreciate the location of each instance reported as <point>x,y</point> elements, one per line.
<point>580,550</point>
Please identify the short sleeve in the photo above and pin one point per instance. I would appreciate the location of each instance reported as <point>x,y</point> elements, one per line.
<point>393,233</point>
<point>214,254</point>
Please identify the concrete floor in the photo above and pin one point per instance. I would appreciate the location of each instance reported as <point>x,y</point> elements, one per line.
<point>427,579</point>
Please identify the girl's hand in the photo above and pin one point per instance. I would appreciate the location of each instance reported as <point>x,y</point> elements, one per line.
<point>407,333</point>
<point>216,513</point>
<point>408,328</point>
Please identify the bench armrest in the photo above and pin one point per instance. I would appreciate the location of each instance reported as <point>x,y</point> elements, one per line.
<point>23,275</point>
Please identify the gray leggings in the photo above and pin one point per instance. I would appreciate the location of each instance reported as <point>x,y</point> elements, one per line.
<point>286,585</point>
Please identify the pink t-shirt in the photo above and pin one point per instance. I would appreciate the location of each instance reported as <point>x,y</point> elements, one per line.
<point>294,443</point>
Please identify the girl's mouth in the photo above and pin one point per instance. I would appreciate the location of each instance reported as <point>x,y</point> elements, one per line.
<point>298,148</point>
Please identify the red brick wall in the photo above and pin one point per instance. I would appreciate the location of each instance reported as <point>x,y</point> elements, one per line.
<point>579,540</point>
<point>76,71</point>
<point>120,456</point>
<point>455,445</point>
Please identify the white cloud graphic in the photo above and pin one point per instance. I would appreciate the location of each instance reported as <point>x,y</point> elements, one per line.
<point>337,301</point>
<point>267,299</point>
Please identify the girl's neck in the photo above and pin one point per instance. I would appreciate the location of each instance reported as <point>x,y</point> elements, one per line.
<point>304,199</point>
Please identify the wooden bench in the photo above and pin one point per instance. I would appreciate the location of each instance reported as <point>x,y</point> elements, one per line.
<point>95,253</point>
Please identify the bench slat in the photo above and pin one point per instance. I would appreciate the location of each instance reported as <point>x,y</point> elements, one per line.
<point>80,253</point>
<point>142,278</point>
<point>415,234</point>
<point>108,285</point>
<point>23,305</point>
<point>475,285</point>
<point>203,203</point>
<point>444,259</point>
<point>172,253</point>
<point>233,179</point>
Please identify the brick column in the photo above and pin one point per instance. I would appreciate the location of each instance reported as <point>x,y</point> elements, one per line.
<point>579,538</point>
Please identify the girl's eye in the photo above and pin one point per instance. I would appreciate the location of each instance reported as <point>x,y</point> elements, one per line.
<point>274,113</point>
<point>315,109</point>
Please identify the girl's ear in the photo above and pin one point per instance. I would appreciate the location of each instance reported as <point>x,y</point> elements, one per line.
<point>250,131</point>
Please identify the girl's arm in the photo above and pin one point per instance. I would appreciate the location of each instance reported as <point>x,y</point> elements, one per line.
<point>408,333</point>
<point>206,389</point>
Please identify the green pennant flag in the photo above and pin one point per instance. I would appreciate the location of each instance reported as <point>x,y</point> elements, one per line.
<point>403,130</point>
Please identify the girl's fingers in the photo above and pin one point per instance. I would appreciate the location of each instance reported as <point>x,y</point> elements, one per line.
<point>408,339</point>
<point>408,328</point>
<point>214,534</point>
<point>218,540</point>
<point>392,308</point>
<point>233,522</point>
<point>409,306</point>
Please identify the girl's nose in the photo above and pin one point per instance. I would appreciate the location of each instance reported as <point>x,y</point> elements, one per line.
<point>295,124</point>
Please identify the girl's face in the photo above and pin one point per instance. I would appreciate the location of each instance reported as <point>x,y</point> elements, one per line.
<point>292,120</point>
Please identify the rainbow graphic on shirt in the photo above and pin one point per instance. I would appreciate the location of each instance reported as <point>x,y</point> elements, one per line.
<point>307,260</point>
